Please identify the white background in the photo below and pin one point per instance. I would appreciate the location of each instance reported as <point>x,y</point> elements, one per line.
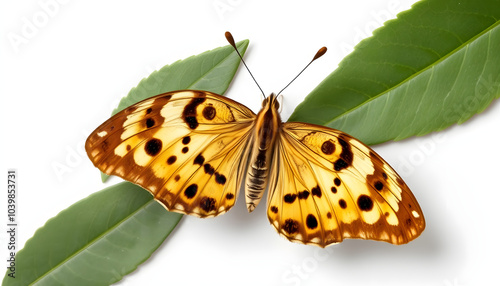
<point>68,73</point>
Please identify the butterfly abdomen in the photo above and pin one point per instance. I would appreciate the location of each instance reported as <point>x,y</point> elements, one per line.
<point>266,129</point>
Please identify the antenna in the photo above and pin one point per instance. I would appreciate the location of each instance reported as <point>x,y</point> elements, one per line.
<point>230,39</point>
<point>320,52</point>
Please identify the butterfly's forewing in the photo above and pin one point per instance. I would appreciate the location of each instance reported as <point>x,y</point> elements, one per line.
<point>185,147</point>
<point>327,186</point>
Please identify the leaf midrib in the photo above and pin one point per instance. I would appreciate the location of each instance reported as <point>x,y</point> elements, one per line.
<point>90,243</point>
<point>408,79</point>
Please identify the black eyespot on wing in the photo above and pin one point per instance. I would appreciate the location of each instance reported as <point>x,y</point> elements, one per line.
<point>328,147</point>
<point>209,112</point>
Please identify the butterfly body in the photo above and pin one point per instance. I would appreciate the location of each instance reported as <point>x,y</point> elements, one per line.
<point>267,128</point>
<point>193,150</point>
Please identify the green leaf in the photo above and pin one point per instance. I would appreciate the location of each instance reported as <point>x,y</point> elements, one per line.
<point>96,241</point>
<point>211,71</point>
<point>437,64</point>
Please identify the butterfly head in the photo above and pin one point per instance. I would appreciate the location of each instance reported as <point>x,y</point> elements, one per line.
<point>271,102</point>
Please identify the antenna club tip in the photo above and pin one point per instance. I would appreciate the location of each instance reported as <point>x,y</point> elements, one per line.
<point>230,39</point>
<point>320,52</point>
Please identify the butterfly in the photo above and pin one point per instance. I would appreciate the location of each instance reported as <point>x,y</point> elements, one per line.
<point>193,150</point>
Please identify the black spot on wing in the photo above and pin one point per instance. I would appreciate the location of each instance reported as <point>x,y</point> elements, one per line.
<point>346,153</point>
<point>303,195</point>
<point>220,179</point>
<point>209,169</point>
<point>342,203</point>
<point>328,147</point>
<point>189,113</point>
<point>153,147</point>
<point>337,182</point>
<point>289,198</point>
<point>340,164</point>
<point>191,191</point>
<point>365,203</point>
<point>346,156</point>
<point>191,122</point>
<point>316,191</point>
<point>208,204</point>
<point>150,122</point>
<point>209,112</point>
<point>171,160</point>
<point>311,221</point>
<point>291,226</point>
<point>199,160</point>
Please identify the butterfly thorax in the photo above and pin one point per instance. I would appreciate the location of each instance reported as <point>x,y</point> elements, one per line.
<point>266,129</point>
